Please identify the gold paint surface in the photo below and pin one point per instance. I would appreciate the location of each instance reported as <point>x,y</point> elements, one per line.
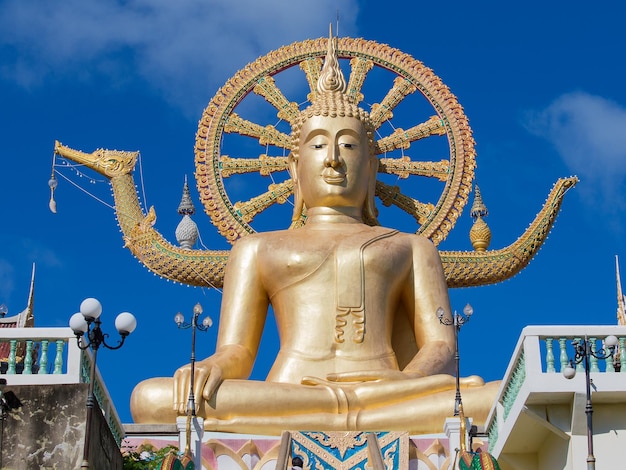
<point>360,345</point>
<point>338,289</point>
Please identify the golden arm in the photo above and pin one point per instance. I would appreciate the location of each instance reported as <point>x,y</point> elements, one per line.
<point>428,291</point>
<point>242,318</point>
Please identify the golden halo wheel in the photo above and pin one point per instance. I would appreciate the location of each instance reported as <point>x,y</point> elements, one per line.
<point>444,120</point>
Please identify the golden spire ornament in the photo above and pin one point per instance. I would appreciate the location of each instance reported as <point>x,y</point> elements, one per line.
<point>480,233</point>
<point>331,78</point>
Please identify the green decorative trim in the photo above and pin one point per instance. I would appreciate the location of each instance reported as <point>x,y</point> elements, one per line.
<point>28,358</point>
<point>103,402</point>
<point>43,362</point>
<point>12,357</point>
<point>515,384</point>
<point>563,357</point>
<point>549,356</point>
<point>58,359</point>
<point>492,432</point>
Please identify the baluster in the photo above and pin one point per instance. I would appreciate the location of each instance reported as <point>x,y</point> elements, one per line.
<point>563,359</point>
<point>11,367</point>
<point>549,356</point>
<point>622,354</point>
<point>609,361</point>
<point>579,367</point>
<point>28,358</point>
<point>43,362</point>
<point>58,360</point>
<point>593,360</point>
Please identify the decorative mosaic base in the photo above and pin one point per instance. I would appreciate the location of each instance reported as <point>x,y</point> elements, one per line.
<point>349,450</point>
<point>222,451</point>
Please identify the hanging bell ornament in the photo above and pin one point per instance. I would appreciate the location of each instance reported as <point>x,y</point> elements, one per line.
<point>52,183</point>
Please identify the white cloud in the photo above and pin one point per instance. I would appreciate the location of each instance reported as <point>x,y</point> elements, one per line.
<point>589,133</point>
<point>184,49</point>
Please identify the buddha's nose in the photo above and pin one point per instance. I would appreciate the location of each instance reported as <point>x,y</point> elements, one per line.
<point>332,160</point>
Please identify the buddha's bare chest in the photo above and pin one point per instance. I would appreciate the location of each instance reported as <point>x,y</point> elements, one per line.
<point>317,262</point>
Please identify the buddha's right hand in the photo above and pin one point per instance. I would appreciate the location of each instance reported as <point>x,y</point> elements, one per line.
<point>207,377</point>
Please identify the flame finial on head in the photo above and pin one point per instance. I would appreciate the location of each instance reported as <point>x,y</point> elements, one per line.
<point>331,78</point>
<point>333,101</point>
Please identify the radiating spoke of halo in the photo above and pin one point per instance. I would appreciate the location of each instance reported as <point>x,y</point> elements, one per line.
<point>391,195</point>
<point>382,111</point>
<point>403,167</point>
<point>267,135</point>
<point>401,139</point>
<point>266,87</point>
<point>359,68</point>
<point>276,193</point>
<point>311,68</point>
<point>264,165</point>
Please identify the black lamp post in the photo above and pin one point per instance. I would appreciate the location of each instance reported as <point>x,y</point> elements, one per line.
<point>204,326</point>
<point>457,320</point>
<point>86,327</point>
<point>583,351</point>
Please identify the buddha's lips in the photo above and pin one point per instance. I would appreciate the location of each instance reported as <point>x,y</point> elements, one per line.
<point>333,177</point>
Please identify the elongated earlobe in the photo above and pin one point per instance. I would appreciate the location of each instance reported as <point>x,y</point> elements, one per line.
<point>298,203</point>
<point>371,212</point>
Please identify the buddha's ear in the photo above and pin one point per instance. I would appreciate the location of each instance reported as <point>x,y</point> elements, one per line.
<point>292,167</point>
<point>370,201</point>
<point>298,203</point>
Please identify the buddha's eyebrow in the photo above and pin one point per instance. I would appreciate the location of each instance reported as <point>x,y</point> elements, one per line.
<point>350,132</point>
<point>315,133</point>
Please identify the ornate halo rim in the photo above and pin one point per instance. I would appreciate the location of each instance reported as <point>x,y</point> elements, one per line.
<point>211,128</point>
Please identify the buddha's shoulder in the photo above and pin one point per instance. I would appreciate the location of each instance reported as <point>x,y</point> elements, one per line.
<point>286,238</point>
<point>404,236</point>
<point>417,243</point>
<point>261,239</point>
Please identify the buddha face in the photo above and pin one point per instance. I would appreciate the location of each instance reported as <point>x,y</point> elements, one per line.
<point>334,167</point>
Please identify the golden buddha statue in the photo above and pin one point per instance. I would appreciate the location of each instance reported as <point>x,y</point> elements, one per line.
<point>361,347</point>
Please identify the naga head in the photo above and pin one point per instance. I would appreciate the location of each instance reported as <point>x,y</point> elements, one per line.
<point>109,163</point>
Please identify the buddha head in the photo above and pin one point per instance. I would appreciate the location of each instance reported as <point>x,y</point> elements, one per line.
<point>333,160</point>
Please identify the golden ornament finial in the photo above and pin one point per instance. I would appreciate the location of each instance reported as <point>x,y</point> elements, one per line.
<point>331,78</point>
<point>478,207</point>
<point>480,233</point>
<point>332,100</point>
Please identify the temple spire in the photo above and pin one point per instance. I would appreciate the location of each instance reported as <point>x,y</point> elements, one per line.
<point>480,233</point>
<point>621,301</point>
<point>331,77</point>
<point>26,319</point>
<point>187,230</point>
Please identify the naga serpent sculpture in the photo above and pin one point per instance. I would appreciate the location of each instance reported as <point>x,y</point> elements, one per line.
<point>435,220</point>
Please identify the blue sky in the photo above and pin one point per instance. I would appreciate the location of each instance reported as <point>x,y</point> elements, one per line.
<point>541,82</point>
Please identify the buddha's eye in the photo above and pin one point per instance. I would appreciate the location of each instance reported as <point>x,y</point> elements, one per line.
<point>317,146</point>
<point>348,145</point>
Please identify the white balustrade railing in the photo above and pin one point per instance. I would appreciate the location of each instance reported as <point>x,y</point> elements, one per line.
<point>541,354</point>
<point>51,356</point>
<point>40,356</point>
